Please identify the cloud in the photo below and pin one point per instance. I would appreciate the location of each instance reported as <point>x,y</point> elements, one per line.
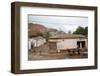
<point>59,22</point>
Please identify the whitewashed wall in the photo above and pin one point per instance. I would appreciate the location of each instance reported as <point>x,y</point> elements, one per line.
<point>68,43</point>
<point>36,42</point>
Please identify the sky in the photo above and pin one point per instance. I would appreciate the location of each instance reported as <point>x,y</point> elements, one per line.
<point>63,23</point>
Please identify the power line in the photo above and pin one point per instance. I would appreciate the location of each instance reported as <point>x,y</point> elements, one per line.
<point>54,23</point>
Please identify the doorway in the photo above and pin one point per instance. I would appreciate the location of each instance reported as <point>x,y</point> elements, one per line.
<point>81,44</point>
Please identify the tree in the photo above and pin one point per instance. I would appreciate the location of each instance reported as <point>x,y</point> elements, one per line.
<point>69,32</point>
<point>46,35</point>
<point>81,30</point>
<point>86,30</point>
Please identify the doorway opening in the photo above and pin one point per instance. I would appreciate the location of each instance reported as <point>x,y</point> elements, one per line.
<point>81,44</point>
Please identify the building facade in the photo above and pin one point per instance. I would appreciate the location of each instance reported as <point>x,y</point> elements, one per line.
<point>65,42</point>
<point>35,42</point>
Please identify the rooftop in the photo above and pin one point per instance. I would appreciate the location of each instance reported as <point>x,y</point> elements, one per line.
<point>67,36</point>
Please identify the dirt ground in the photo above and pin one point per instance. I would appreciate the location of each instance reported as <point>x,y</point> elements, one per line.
<point>33,56</point>
<point>45,53</point>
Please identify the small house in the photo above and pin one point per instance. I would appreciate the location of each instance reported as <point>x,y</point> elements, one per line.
<point>35,42</point>
<point>69,41</point>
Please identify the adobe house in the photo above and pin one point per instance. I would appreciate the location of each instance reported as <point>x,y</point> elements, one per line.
<point>36,42</point>
<point>69,41</point>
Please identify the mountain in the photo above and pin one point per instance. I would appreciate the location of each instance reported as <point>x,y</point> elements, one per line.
<point>35,29</point>
<point>38,29</point>
<point>52,30</point>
